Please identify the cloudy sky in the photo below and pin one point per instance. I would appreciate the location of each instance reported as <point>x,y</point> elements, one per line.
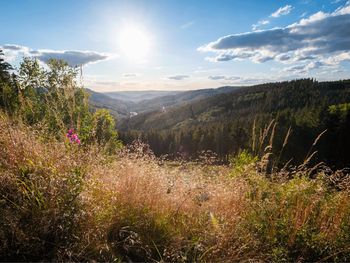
<point>180,45</point>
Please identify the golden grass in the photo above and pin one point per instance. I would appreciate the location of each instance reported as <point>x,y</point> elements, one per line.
<point>68,203</point>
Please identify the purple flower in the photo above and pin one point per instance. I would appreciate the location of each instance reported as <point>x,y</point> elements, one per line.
<point>73,137</point>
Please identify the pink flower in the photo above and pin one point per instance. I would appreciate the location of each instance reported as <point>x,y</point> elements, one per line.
<point>73,137</point>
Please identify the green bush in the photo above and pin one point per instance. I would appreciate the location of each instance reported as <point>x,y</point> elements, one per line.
<point>104,132</point>
<point>241,162</point>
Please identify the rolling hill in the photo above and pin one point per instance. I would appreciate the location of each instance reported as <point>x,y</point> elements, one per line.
<point>136,96</point>
<point>129,103</point>
<point>118,108</point>
<point>163,102</point>
<point>229,122</point>
<point>234,103</point>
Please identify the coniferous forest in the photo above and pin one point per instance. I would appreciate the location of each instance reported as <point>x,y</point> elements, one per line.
<point>229,123</point>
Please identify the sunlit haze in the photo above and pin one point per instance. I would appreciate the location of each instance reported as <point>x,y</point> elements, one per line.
<point>175,131</point>
<point>182,45</point>
<point>134,42</point>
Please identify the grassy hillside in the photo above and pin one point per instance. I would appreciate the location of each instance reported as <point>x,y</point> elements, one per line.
<point>63,202</point>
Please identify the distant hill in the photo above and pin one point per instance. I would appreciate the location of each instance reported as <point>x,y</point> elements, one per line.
<point>136,96</point>
<point>129,103</point>
<point>119,108</point>
<point>214,105</point>
<point>223,121</point>
<point>163,102</point>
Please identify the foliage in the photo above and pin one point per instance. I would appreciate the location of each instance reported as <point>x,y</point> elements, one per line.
<point>52,101</point>
<point>8,89</point>
<point>104,132</point>
<point>241,162</point>
<point>5,67</point>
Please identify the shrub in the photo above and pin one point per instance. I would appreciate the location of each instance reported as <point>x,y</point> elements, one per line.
<point>104,132</point>
<point>241,162</point>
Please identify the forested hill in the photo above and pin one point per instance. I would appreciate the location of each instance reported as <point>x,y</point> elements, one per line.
<point>244,102</point>
<point>137,96</point>
<point>223,123</point>
<point>123,104</point>
<point>118,108</point>
<point>162,103</point>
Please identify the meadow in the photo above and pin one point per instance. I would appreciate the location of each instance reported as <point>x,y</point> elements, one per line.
<point>62,202</point>
<point>69,191</point>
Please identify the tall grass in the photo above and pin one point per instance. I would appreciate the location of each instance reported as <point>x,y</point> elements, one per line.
<point>62,202</point>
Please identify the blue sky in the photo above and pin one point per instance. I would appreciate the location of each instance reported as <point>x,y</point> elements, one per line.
<point>180,45</point>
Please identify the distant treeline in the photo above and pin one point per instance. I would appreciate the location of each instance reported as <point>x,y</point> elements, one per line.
<point>228,123</point>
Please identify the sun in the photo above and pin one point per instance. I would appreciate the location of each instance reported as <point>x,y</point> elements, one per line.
<point>134,42</point>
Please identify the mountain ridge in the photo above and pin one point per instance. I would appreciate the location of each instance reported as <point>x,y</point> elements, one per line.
<point>122,108</point>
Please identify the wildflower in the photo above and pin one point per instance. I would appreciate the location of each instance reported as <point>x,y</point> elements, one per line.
<point>73,137</point>
<point>69,133</point>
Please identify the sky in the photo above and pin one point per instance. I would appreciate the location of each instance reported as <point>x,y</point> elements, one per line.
<point>182,44</point>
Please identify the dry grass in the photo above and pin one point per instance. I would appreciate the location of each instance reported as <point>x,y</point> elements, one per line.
<point>68,203</point>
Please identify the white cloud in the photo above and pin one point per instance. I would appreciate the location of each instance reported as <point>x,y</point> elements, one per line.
<point>217,77</point>
<point>72,57</point>
<point>187,25</point>
<point>130,75</point>
<point>282,11</point>
<point>260,23</point>
<point>178,77</point>
<point>12,51</point>
<point>14,47</point>
<point>305,68</point>
<point>303,14</point>
<point>235,80</point>
<point>222,77</point>
<point>322,37</point>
